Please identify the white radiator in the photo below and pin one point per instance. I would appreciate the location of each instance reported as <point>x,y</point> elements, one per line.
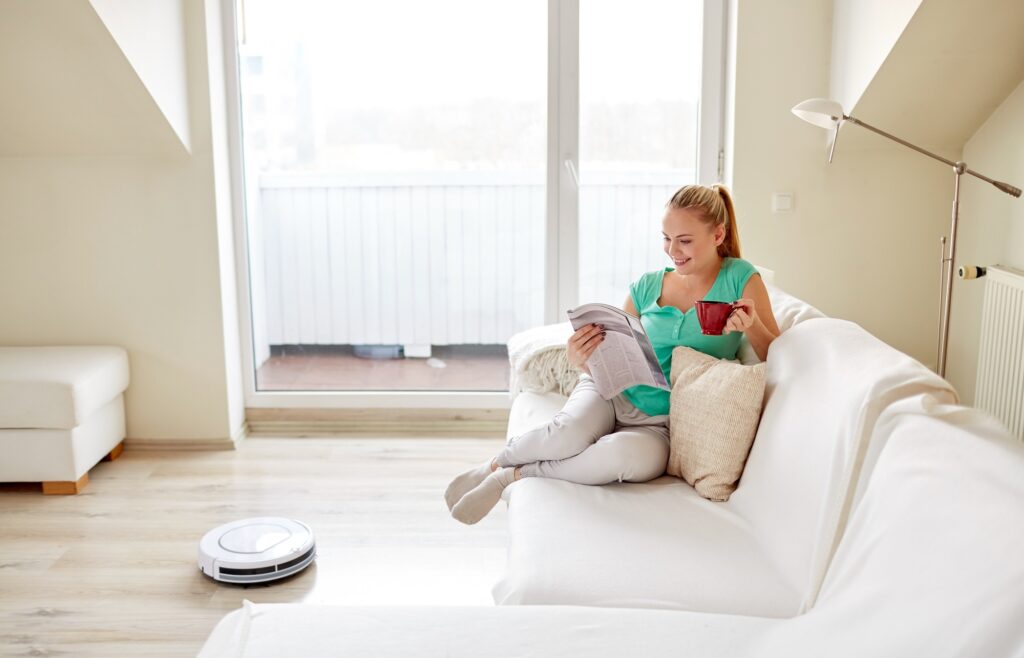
<point>1000,387</point>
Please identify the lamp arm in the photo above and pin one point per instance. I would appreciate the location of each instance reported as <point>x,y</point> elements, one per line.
<point>1004,187</point>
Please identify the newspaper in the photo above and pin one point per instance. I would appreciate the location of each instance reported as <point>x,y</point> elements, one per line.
<point>626,357</point>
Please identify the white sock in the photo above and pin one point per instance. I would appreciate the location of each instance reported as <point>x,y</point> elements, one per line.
<point>477,503</point>
<point>465,482</point>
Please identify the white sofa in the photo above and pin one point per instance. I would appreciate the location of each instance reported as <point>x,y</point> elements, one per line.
<point>61,412</point>
<point>876,517</point>
<point>765,551</point>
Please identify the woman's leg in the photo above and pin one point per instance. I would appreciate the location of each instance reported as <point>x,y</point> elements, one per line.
<point>480,500</point>
<point>631,454</point>
<point>584,418</point>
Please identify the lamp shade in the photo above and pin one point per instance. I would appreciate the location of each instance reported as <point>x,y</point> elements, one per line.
<point>821,112</point>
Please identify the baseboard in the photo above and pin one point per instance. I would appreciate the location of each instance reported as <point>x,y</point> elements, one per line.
<point>389,422</point>
<point>225,443</point>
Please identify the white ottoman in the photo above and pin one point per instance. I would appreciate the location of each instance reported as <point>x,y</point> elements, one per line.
<point>61,411</point>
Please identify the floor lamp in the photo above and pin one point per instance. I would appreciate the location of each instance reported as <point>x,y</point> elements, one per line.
<point>829,114</point>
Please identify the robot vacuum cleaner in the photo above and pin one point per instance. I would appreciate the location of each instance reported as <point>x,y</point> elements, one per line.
<point>256,550</point>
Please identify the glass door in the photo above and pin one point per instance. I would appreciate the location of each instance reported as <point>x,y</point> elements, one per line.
<point>640,87</point>
<point>424,180</point>
<point>394,156</point>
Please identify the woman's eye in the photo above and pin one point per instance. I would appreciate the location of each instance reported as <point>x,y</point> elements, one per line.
<point>685,241</point>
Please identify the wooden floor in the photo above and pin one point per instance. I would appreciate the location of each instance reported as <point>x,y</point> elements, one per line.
<point>336,368</point>
<point>112,571</point>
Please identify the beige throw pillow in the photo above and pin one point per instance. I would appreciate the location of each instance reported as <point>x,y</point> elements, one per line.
<point>713,417</point>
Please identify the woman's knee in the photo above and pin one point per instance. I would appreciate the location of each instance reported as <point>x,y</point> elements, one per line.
<point>580,432</point>
<point>567,434</point>
<point>636,457</point>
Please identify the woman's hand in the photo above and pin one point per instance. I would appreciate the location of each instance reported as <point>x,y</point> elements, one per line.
<point>582,344</point>
<point>743,316</point>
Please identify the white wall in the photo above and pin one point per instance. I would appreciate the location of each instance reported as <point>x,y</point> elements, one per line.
<point>862,241</point>
<point>134,251</point>
<point>991,229</point>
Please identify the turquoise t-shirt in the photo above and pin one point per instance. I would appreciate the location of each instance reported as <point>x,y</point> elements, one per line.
<point>668,327</point>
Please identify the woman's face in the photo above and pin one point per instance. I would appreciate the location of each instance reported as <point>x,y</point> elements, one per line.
<point>691,243</point>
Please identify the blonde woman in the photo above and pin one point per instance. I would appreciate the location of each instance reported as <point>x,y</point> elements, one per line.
<point>596,441</point>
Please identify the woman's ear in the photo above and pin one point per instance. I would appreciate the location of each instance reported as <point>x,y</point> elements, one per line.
<point>719,235</point>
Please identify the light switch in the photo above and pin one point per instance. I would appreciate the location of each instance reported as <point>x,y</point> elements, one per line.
<point>782,202</point>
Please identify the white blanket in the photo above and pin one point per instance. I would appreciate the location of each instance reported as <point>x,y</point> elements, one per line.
<point>538,361</point>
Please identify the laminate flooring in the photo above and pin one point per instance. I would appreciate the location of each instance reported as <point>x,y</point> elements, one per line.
<point>112,571</point>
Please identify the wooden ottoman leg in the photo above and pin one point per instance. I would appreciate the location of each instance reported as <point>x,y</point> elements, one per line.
<point>115,453</point>
<point>65,488</point>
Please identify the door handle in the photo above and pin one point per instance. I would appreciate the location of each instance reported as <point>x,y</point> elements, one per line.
<point>572,172</point>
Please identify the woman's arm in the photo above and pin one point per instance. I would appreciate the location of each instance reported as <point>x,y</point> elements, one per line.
<point>753,316</point>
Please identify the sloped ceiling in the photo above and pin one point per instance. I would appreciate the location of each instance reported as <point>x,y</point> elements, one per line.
<point>68,88</point>
<point>151,34</point>
<point>952,66</point>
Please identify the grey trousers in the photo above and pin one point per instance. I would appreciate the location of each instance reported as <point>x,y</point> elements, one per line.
<point>592,441</point>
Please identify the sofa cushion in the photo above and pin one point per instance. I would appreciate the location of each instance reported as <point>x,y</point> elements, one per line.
<point>931,562</point>
<point>714,413</point>
<point>652,545</point>
<point>827,382</point>
<point>788,311</point>
<point>58,387</point>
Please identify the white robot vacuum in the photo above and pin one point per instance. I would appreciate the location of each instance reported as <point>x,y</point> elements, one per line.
<point>256,550</point>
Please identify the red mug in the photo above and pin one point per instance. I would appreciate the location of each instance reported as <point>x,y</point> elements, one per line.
<point>712,316</point>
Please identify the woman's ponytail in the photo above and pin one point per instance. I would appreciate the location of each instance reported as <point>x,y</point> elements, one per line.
<point>730,247</point>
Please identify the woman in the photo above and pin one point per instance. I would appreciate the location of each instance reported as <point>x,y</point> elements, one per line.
<point>597,441</point>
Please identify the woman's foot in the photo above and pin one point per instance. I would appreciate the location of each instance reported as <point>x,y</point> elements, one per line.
<point>475,504</point>
<point>467,482</point>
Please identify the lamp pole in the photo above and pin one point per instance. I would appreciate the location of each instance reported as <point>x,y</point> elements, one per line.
<point>947,264</point>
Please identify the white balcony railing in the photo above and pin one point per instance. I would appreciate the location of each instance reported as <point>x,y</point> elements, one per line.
<point>431,259</point>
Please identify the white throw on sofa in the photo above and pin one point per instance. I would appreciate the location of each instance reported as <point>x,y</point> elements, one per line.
<point>876,517</point>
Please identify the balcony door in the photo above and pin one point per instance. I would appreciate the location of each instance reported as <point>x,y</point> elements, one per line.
<point>640,92</point>
<point>423,180</point>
